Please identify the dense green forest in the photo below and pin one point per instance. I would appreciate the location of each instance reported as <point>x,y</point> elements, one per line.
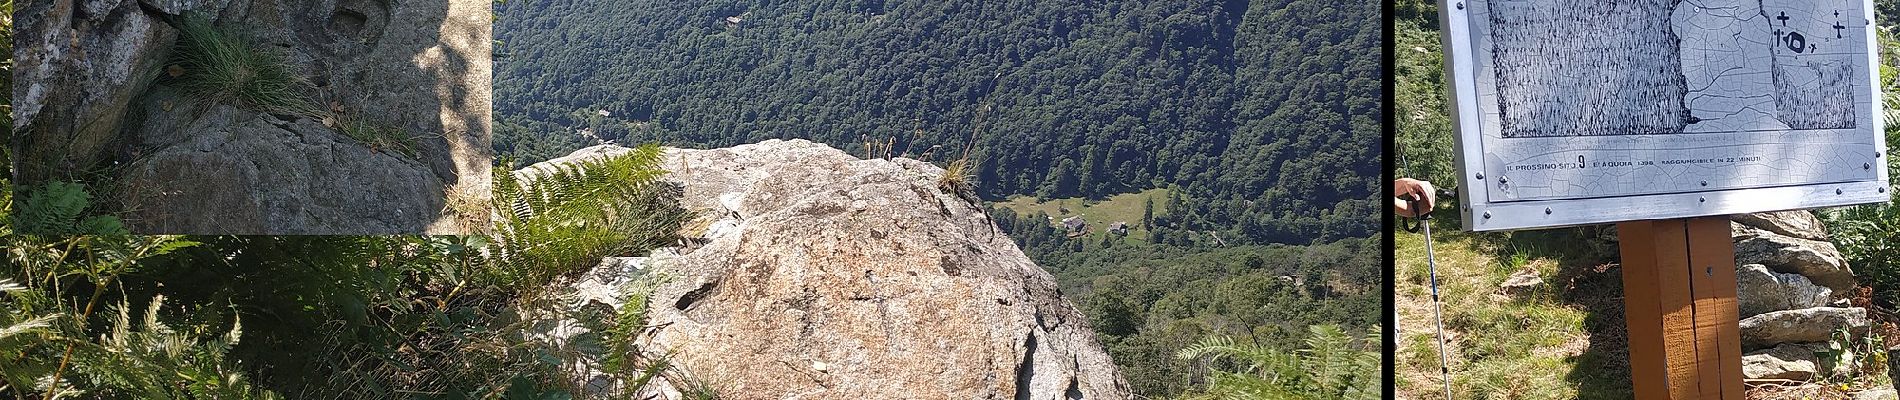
<point>1263,114</point>
<point>1147,301</point>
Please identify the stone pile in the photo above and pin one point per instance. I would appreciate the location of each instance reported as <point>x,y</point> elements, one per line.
<point>1793,289</point>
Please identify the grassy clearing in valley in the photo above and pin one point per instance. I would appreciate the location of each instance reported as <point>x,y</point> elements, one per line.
<point>1125,207</point>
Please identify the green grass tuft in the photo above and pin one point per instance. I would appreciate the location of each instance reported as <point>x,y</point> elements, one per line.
<point>956,179</point>
<point>220,65</point>
<point>377,136</point>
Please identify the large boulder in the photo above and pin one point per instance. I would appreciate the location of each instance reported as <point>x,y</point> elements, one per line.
<point>1762,290</point>
<point>1816,324</point>
<point>421,66</point>
<point>1819,261</point>
<point>77,67</point>
<point>841,278</point>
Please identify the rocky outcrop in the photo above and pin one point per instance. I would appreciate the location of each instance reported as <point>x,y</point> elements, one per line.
<point>1799,224</point>
<point>266,175</point>
<point>77,67</point>
<point>92,91</point>
<point>833,277</point>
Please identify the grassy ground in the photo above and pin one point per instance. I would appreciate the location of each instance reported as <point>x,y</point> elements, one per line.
<point>1124,207</point>
<point>1559,340</point>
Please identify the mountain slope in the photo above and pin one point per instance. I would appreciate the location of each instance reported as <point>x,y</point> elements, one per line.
<point>1263,113</point>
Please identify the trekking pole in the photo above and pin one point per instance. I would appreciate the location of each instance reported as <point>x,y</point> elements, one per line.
<point>1423,222</point>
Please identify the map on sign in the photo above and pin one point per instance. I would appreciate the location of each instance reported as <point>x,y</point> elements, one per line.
<point>1573,112</point>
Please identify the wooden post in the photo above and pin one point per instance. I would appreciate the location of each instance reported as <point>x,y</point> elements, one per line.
<point>1679,302</point>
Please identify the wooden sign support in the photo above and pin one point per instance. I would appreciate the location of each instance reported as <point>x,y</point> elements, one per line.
<point>1679,302</point>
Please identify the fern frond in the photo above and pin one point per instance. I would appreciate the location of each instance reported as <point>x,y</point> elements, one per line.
<point>630,321</point>
<point>556,219</point>
<point>36,324</point>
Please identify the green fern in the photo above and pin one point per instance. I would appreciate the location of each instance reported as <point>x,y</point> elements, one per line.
<point>630,320</point>
<point>1329,367</point>
<point>151,359</point>
<point>58,208</point>
<point>567,217</point>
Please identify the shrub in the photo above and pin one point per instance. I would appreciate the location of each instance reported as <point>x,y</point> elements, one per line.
<point>1331,366</point>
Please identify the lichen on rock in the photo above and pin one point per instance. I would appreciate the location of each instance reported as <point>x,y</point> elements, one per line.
<point>847,278</point>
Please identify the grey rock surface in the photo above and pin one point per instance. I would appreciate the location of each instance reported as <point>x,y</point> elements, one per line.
<point>1819,261</point>
<point>1797,362</point>
<point>1762,290</point>
<point>844,278</point>
<point>1878,394</point>
<point>1799,224</point>
<point>248,173</point>
<point>77,67</point>
<point>1807,325</point>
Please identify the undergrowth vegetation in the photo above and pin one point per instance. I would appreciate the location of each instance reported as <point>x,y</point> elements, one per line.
<point>370,317</point>
<point>1869,236</point>
<point>1331,365</point>
<point>62,208</point>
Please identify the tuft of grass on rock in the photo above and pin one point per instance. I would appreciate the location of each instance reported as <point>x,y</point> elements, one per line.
<point>956,179</point>
<point>217,64</point>
<point>377,136</point>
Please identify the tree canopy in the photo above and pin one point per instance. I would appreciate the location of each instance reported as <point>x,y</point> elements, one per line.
<point>1263,114</point>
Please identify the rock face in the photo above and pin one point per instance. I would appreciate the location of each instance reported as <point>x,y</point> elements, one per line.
<point>1799,224</point>
<point>77,67</point>
<point>92,90</point>
<point>266,175</point>
<point>840,278</point>
<point>1797,362</point>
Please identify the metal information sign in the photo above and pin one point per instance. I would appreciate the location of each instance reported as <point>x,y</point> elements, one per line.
<point>1578,112</point>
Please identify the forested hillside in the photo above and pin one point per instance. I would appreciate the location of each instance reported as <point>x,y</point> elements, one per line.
<point>1264,114</point>
<point>1259,118</point>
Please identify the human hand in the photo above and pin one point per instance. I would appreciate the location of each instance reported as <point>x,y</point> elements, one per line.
<point>1422,192</point>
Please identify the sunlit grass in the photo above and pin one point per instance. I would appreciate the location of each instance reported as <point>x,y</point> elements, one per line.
<point>1530,345</point>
